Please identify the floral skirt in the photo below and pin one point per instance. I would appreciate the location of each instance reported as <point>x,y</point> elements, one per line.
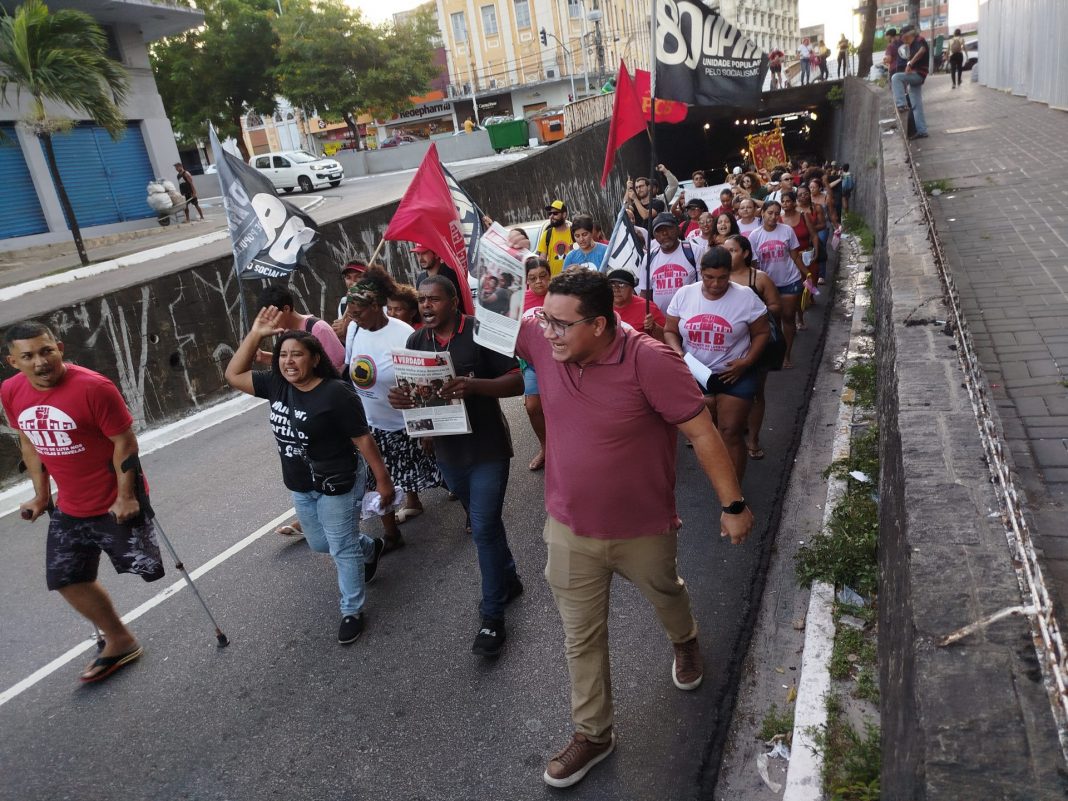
<point>411,469</point>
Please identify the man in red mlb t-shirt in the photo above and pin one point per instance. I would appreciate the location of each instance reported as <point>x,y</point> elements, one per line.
<point>74,426</point>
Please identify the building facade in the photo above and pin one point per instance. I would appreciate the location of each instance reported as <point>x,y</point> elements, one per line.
<point>104,179</point>
<point>770,24</point>
<point>934,16</point>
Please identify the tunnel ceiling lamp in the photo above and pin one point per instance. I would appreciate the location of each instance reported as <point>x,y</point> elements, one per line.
<point>737,122</point>
<point>812,115</point>
<point>708,125</point>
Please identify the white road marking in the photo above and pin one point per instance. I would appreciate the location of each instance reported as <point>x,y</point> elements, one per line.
<point>41,673</point>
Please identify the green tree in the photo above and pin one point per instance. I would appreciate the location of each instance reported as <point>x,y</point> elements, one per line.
<point>61,58</point>
<point>331,60</point>
<point>220,71</point>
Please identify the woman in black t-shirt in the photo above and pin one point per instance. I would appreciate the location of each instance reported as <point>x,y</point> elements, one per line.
<point>319,425</point>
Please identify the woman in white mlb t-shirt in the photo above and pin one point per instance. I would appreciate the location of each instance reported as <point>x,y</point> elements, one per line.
<point>723,326</point>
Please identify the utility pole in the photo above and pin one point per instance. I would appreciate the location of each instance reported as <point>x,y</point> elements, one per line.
<point>598,43</point>
<point>545,36</point>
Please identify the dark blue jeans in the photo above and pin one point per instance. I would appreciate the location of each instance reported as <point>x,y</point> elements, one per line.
<point>481,487</point>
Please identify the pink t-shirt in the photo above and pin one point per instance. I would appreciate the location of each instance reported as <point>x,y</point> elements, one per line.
<point>335,351</point>
<point>716,331</point>
<point>69,426</point>
<point>612,439</point>
<point>772,251</point>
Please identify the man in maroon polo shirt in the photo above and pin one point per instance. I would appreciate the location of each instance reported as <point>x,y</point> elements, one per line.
<point>617,400</point>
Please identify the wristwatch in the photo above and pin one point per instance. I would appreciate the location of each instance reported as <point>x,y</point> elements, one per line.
<point>735,508</point>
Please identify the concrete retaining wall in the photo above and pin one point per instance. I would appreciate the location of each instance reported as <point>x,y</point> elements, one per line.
<point>166,343</point>
<point>971,720</point>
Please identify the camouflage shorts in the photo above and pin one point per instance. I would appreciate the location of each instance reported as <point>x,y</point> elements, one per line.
<point>74,545</point>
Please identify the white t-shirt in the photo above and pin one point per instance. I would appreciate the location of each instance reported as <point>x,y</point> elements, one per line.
<point>716,331</point>
<point>745,228</point>
<point>369,356</point>
<point>670,272</point>
<point>772,251</point>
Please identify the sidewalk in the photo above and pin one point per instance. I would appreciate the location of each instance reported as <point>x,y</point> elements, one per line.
<point>1004,226</point>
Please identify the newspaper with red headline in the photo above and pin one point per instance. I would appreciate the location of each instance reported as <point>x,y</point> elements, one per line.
<point>422,375</point>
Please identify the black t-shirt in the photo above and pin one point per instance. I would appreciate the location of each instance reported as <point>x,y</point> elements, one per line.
<point>326,419</point>
<point>920,67</point>
<point>490,438</point>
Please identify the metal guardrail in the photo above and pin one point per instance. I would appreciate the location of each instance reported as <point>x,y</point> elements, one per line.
<point>586,112</point>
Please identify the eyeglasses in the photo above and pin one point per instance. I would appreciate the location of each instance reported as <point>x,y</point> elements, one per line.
<point>558,328</point>
<point>619,284</point>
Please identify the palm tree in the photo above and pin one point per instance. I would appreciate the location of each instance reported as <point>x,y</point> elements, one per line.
<point>61,58</point>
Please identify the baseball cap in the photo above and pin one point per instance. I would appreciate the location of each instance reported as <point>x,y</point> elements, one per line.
<point>697,203</point>
<point>356,265</point>
<point>417,248</point>
<point>626,276</point>
<point>664,219</point>
<point>737,170</point>
<point>556,205</point>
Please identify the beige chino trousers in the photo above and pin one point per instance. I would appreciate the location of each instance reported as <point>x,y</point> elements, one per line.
<point>579,571</point>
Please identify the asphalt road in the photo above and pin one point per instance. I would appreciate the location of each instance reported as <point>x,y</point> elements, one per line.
<point>406,713</point>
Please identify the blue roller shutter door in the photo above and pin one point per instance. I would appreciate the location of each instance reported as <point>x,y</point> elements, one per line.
<point>105,180</point>
<point>20,211</point>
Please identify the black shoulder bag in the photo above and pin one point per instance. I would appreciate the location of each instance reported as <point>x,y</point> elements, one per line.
<point>774,353</point>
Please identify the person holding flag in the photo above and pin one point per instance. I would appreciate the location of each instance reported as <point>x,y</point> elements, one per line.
<point>433,265</point>
<point>635,311</point>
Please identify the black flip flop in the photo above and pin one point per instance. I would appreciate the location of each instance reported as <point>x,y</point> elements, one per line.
<point>108,665</point>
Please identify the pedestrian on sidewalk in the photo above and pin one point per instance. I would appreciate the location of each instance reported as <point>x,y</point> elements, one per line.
<point>321,432</point>
<point>74,427</point>
<point>188,190</point>
<point>617,400</point>
<point>913,58</point>
<point>890,54</point>
<point>475,465</point>
<point>956,58</point>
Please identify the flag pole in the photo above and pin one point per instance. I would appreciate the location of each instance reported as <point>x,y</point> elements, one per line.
<point>652,156</point>
<point>374,255</point>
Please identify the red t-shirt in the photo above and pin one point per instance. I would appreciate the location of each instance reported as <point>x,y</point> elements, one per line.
<point>69,425</point>
<point>634,313</point>
<point>613,435</point>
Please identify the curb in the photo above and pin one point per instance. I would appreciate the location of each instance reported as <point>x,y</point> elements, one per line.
<point>804,774</point>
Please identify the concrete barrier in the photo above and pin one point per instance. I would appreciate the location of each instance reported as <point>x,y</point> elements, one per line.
<point>971,720</point>
<point>165,343</point>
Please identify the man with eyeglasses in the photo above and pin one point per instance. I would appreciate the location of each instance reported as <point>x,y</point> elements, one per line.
<point>626,523</point>
<point>635,311</point>
<point>555,240</point>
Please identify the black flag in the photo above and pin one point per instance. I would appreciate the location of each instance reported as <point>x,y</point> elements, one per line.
<point>269,235</point>
<point>702,59</point>
<point>469,213</point>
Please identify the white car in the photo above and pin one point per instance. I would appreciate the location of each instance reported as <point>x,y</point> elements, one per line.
<point>291,169</point>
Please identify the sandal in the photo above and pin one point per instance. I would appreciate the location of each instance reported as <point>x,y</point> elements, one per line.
<point>756,453</point>
<point>109,665</point>
<point>407,513</point>
<point>537,463</point>
<point>290,529</point>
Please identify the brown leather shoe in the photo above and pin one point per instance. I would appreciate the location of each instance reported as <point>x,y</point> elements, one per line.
<point>688,668</point>
<point>572,764</point>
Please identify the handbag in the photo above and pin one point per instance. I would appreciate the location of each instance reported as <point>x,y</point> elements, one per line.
<point>774,353</point>
<point>330,477</point>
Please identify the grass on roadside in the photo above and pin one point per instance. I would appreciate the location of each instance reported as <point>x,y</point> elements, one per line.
<point>776,723</point>
<point>943,185</point>
<point>852,648</point>
<point>861,378</point>
<point>853,223</point>
<point>851,761</point>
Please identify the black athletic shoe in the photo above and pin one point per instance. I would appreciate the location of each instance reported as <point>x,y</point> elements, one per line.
<point>490,638</point>
<point>351,629</point>
<point>370,567</point>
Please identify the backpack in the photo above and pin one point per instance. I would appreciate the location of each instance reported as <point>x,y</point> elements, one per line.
<point>687,251</point>
<point>956,45</point>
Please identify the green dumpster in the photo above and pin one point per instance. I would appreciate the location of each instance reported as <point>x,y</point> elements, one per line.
<point>504,135</point>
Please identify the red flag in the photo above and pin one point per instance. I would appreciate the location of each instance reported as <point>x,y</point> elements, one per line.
<point>666,110</point>
<point>626,119</point>
<point>427,216</point>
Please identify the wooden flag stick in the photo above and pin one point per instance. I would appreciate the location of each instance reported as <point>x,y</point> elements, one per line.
<point>374,255</point>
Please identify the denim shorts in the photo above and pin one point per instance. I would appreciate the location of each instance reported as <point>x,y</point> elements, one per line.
<point>530,381</point>
<point>745,387</point>
<point>796,288</point>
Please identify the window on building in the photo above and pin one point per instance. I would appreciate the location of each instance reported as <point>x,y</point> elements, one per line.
<point>253,120</point>
<point>489,20</point>
<point>522,13</point>
<point>459,30</point>
<point>574,9</point>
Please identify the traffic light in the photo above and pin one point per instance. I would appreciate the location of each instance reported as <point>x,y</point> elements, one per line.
<point>544,38</point>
